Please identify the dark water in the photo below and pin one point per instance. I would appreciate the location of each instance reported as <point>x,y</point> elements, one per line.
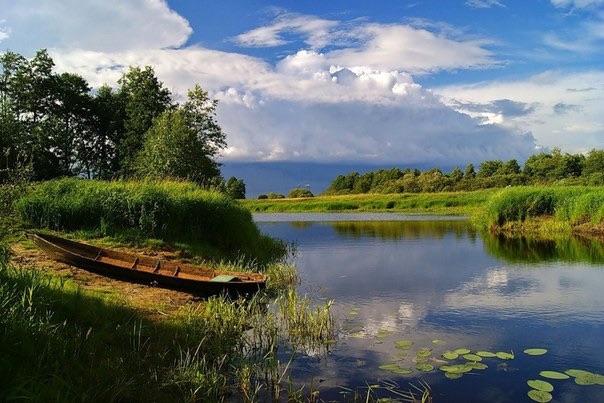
<point>443,286</point>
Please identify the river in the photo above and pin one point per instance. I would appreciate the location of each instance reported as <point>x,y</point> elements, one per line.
<point>435,284</point>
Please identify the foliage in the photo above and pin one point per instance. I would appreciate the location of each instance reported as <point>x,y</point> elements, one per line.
<point>61,128</point>
<point>235,188</point>
<point>297,193</point>
<point>171,211</point>
<point>173,150</point>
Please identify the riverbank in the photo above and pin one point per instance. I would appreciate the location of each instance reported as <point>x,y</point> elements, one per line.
<point>445,203</point>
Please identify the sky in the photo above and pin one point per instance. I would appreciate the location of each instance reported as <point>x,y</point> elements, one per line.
<point>383,82</point>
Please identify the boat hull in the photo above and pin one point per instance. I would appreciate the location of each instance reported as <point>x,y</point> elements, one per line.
<point>115,265</point>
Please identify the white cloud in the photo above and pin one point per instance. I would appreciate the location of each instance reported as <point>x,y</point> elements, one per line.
<point>578,129</point>
<point>577,3</point>
<point>317,32</point>
<point>94,25</point>
<point>484,3</point>
<point>358,102</point>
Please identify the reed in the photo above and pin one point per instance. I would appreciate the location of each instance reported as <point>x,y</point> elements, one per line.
<point>170,211</point>
<point>525,208</point>
<point>458,203</point>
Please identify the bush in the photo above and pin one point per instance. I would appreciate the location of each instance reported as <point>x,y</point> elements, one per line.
<point>297,193</point>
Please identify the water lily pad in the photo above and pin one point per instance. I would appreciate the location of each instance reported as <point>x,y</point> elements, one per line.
<point>450,355</point>
<point>535,351</point>
<point>424,367</point>
<point>504,356</point>
<point>539,396</point>
<point>384,333</point>
<point>424,352</point>
<point>389,367</point>
<point>540,385</point>
<point>553,375</point>
<point>419,360</point>
<point>472,357</point>
<point>453,375</point>
<point>462,351</point>
<point>477,365</point>
<point>436,341</point>
<point>486,354</point>
<point>458,368</point>
<point>403,344</point>
<point>402,371</point>
<point>575,373</point>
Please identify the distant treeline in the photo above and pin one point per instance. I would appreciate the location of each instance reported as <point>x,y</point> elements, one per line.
<point>544,168</point>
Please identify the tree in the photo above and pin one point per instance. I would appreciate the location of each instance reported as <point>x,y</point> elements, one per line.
<point>144,99</point>
<point>489,168</point>
<point>235,188</point>
<point>172,149</point>
<point>299,193</point>
<point>469,172</point>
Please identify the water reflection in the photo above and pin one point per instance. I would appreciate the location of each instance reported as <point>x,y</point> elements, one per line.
<point>535,250</point>
<point>424,281</point>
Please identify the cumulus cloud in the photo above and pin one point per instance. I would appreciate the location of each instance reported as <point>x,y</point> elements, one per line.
<point>356,101</point>
<point>562,108</point>
<point>414,48</point>
<point>95,25</point>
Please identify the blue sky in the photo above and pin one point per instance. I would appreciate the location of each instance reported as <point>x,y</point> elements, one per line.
<point>385,82</point>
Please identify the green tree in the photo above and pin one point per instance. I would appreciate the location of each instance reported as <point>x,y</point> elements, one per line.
<point>297,193</point>
<point>172,149</point>
<point>469,172</point>
<point>144,99</point>
<point>235,188</point>
<point>489,168</point>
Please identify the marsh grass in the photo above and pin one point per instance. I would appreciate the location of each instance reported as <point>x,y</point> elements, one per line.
<point>525,209</point>
<point>209,222</point>
<point>458,203</point>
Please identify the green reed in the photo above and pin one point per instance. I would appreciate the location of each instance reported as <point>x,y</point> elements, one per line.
<point>170,211</point>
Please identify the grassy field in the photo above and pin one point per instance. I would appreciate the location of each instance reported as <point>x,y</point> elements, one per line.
<point>456,203</point>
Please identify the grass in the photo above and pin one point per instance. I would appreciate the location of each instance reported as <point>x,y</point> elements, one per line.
<point>457,203</point>
<point>59,342</point>
<point>545,209</point>
<point>210,223</point>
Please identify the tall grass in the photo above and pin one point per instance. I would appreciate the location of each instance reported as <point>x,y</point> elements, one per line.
<point>60,343</point>
<point>573,205</point>
<point>462,203</point>
<point>171,211</point>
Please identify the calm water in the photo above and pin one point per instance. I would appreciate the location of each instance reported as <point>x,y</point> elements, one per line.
<point>440,284</point>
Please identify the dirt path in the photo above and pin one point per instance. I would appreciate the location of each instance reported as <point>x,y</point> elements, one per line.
<point>152,301</point>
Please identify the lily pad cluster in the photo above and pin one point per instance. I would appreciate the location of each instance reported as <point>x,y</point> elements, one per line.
<point>541,391</point>
<point>471,361</point>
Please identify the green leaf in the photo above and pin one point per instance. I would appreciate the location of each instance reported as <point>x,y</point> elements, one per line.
<point>403,344</point>
<point>462,351</point>
<point>389,367</point>
<point>575,373</point>
<point>450,355</point>
<point>539,396</point>
<point>402,371</point>
<point>436,341</point>
<point>538,384</point>
<point>486,354</point>
<point>553,375</point>
<point>504,356</point>
<point>472,357</point>
<point>535,351</point>
<point>424,367</point>
<point>477,365</point>
<point>453,375</point>
<point>424,353</point>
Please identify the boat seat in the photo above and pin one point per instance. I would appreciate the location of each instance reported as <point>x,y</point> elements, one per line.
<point>225,278</point>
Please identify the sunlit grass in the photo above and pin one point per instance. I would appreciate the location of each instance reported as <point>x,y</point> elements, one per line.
<point>457,203</point>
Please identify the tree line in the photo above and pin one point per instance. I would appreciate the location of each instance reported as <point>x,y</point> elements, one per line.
<point>543,168</point>
<point>55,125</point>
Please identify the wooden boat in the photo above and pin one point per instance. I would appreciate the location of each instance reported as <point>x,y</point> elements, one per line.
<point>149,270</point>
